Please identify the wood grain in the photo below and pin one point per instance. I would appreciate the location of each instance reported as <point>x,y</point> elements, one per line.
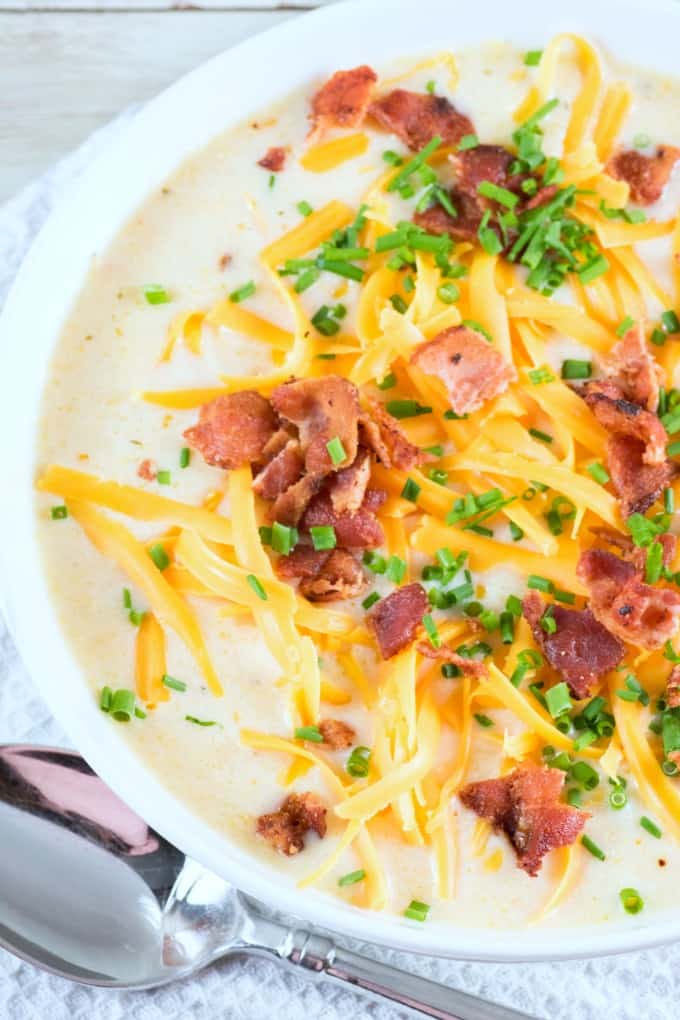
<point>65,74</point>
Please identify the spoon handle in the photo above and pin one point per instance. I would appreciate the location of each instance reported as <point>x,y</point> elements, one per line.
<point>321,957</point>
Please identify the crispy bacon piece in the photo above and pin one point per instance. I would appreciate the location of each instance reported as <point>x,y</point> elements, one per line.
<point>282,471</point>
<point>388,441</point>
<point>637,484</point>
<point>348,487</point>
<point>646,175</point>
<point>622,417</point>
<point>485,163</point>
<point>324,575</point>
<point>581,650</point>
<point>673,688</point>
<point>395,619</point>
<point>274,159</point>
<point>469,667</point>
<point>632,367</point>
<point>463,227</point>
<point>629,551</point>
<point>147,470</point>
<point>286,828</point>
<point>353,530</point>
<point>417,117</point>
<point>233,430</point>
<point>525,805</point>
<point>343,100</point>
<point>337,734</point>
<point>289,507</point>
<point>542,196</point>
<point>630,609</point>
<point>471,369</point>
<point>323,409</point>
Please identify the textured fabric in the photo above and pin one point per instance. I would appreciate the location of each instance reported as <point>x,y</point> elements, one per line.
<point>641,985</point>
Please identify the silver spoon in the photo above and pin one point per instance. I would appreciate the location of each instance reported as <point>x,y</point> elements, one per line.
<point>89,892</point>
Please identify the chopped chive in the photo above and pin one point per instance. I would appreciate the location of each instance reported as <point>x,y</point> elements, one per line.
<point>436,451</point>
<point>398,303</point>
<point>585,739</point>
<point>306,279</point>
<point>311,733</point>
<point>283,538</point>
<point>324,323</point>
<point>618,798</point>
<point>105,699</point>
<point>304,208</point>
<point>572,368</point>
<point>127,598</point>
<point>448,293</point>
<point>173,684</point>
<point>543,436</point>
<point>336,451</point>
<point>670,321</point>
<point>598,473</point>
<point>498,194</point>
<point>584,774</point>
<point>59,513</point>
<point>272,180</point>
<point>163,477</point>
<point>431,86</point>
<point>325,357</point>
<point>406,408</point>
<point>669,501</point>
<point>431,630</point>
<point>417,911</point>
<point>184,457</point>
<point>375,562</point>
<point>631,901</point>
<point>256,585</point>
<point>392,158</point>
<point>156,295</point>
<point>507,627</point>
<point>396,569</point>
<point>401,179</point>
<point>352,877</point>
<point>468,142</point>
<point>487,236</point>
<point>654,562</point>
<point>159,556</point>
<point>658,337</point>
<point>539,583</point>
<point>411,490</point>
<point>558,700</point>
<point>122,706</point>
<point>593,848</point>
<point>651,827</point>
<point>370,600</point>
<point>200,722</point>
<point>594,268</point>
<point>438,475</point>
<point>625,325</point>
<point>548,622</point>
<point>673,449</point>
<point>533,58</point>
<point>516,532</point>
<point>135,617</point>
<point>246,291</point>
<point>323,537</point>
<point>641,141</point>
<point>388,383</point>
<point>484,720</point>
<point>540,375</point>
<point>359,762</point>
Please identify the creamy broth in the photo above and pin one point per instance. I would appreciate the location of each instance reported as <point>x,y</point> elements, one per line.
<point>221,203</point>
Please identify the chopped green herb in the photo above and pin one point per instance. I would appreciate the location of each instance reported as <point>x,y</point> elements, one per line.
<point>540,375</point>
<point>127,598</point>
<point>598,473</point>
<point>396,569</point>
<point>122,706</point>
<point>156,295</point>
<point>468,142</point>
<point>543,436</point>
<point>533,58</point>
<point>323,537</point>
<point>593,269</point>
<point>374,561</point>
<point>417,911</point>
<point>572,368</point>
<point>625,325</point>
<point>631,901</point>
<point>311,733</point>
<point>105,699</point>
<point>352,877</point>
<point>256,585</point>
<point>670,321</point>
<point>336,451</point>
<point>593,848</point>
<point>448,293</point>
<point>558,700</point>
<point>539,583</point>
<point>359,762</point>
<point>184,457</point>
<point>392,158</point>
<point>641,141</point>
<point>651,827</point>
<point>163,477</point>
<point>398,303</point>
<point>304,208</point>
<point>324,322</point>
<point>59,513</point>
<point>173,684</point>
<point>406,408</point>
<point>200,722</point>
<point>411,490</point>
<point>283,538</point>
<point>389,382</point>
<point>159,556</point>
<point>370,600</point>
<point>431,631</point>
<point>516,532</point>
<point>241,293</point>
<point>420,158</point>
<point>438,475</point>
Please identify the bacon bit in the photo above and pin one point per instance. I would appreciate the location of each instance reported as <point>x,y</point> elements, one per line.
<point>417,117</point>
<point>633,553</point>
<point>233,430</point>
<point>673,688</point>
<point>463,227</point>
<point>282,471</point>
<point>471,368</point>
<point>338,735</point>
<point>646,175</point>
<point>324,575</point>
<point>344,99</point>
<point>622,417</point>
<point>323,409</point>
<point>147,471</point>
<point>638,485</point>
<point>485,163</point>
<point>468,667</point>
<point>388,440</point>
<point>395,619</point>
<point>348,487</point>
<point>630,609</point>
<point>225,261</point>
<point>274,159</point>
<point>542,196</point>
<point>353,530</point>
<point>525,806</point>
<point>289,507</point>
<point>286,828</point>
<point>581,650</point>
<point>631,365</point>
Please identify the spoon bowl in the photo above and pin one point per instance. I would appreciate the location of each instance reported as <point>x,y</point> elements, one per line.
<point>90,892</point>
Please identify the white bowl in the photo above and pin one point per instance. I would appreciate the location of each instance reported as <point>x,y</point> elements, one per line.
<point>169,129</point>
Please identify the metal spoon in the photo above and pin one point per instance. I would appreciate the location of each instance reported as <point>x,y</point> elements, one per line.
<point>89,892</point>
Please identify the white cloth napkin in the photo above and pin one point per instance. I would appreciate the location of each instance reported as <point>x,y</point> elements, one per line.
<point>637,986</point>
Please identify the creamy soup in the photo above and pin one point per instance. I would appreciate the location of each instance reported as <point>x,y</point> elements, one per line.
<point>561,247</point>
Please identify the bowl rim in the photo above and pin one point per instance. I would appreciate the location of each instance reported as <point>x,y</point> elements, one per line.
<point>139,159</point>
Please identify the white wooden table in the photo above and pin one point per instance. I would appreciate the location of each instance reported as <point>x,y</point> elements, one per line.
<point>68,66</point>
